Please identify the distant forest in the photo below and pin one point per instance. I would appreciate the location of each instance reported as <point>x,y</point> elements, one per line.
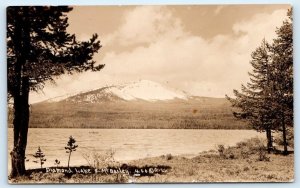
<point>203,113</point>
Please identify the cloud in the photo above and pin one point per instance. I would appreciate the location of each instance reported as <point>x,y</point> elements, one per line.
<point>185,60</point>
<point>157,47</point>
<point>145,24</point>
<point>261,25</point>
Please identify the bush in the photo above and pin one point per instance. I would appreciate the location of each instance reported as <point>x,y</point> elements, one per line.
<point>289,136</point>
<point>246,168</point>
<point>262,154</point>
<point>100,160</point>
<point>221,150</point>
<point>56,162</point>
<point>169,156</point>
<point>245,149</point>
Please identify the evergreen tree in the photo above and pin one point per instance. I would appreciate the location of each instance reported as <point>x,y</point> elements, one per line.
<point>39,49</point>
<point>253,103</point>
<point>267,100</point>
<point>71,146</point>
<point>282,75</point>
<point>40,155</point>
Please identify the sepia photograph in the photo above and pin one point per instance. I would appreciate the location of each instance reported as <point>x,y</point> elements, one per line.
<point>150,94</point>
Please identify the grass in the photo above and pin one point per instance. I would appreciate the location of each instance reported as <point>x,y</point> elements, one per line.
<point>209,166</point>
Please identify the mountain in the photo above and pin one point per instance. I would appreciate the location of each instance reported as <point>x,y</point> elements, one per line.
<point>137,105</point>
<point>142,90</point>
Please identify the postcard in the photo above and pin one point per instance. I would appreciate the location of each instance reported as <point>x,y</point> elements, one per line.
<point>150,94</point>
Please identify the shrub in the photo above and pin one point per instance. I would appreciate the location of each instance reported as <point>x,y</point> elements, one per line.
<point>169,156</point>
<point>221,150</point>
<point>231,156</point>
<point>246,168</point>
<point>262,154</point>
<point>245,149</point>
<point>289,136</point>
<point>56,162</point>
<point>100,160</point>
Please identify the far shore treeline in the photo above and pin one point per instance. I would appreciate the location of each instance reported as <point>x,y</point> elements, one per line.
<point>203,113</point>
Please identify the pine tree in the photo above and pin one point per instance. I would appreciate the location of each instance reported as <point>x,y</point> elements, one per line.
<point>70,148</point>
<point>282,75</point>
<point>39,49</point>
<point>253,103</point>
<point>40,155</point>
<point>267,100</point>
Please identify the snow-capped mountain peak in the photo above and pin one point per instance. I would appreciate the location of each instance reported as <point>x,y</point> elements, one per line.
<point>140,90</point>
<point>146,90</point>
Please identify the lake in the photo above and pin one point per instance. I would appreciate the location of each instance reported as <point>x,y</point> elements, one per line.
<point>128,144</point>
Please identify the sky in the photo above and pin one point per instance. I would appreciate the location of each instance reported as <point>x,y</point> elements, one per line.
<point>203,50</point>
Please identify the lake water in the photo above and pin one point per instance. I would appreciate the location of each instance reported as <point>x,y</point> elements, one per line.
<point>127,143</point>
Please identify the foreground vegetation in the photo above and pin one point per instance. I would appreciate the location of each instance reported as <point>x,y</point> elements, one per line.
<point>246,162</point>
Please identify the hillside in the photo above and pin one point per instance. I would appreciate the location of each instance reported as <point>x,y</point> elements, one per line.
<point>192,114</point>
<point>143,104</point>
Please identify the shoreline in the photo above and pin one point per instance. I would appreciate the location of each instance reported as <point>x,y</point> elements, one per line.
<point>131,149</point>
<point>241,163</point>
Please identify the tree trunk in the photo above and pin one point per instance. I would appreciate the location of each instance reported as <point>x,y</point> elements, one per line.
<point>69,159</point>
<point>21,121</point>
<point>269,140</point>
<point>20,95</point>
<point>285,149</point>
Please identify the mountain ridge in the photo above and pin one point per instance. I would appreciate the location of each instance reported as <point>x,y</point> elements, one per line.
<point>142,90</point>
<point>138,105</point>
